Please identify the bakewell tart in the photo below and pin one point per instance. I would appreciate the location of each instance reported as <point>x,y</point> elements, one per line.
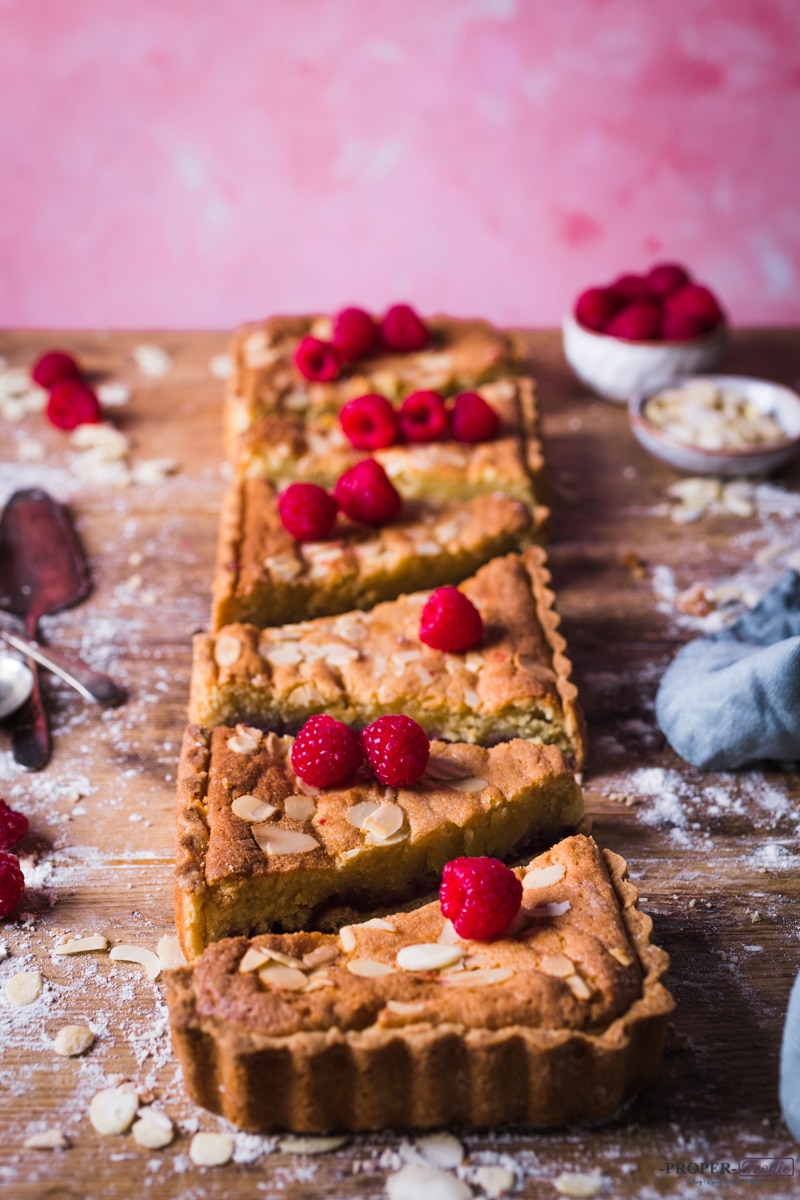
<point>398,1022</point>
<point>257,849</point>
<point>265,577</point>
<point>461,354</point>
<point>284,448</point>
<point>361,665</point>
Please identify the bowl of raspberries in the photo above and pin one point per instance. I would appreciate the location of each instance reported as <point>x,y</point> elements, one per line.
<point>643,331</point>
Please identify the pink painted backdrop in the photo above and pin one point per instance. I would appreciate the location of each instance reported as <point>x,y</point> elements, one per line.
<point>200,162</point>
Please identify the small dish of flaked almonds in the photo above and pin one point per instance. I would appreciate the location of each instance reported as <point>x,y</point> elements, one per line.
<point>719,424</point>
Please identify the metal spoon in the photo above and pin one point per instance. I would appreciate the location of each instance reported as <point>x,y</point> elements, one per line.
<point>16,684</point>
<point>90,684</point>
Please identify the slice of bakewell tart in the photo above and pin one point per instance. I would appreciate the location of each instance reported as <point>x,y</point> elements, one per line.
<point>514,683</point>
<point>258,849</point>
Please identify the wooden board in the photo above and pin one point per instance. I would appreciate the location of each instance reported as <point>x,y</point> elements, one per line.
<point>715,856</point>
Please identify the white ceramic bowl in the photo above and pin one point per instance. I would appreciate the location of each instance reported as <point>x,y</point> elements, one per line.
<point>616,368</point>
<point>780,402</point>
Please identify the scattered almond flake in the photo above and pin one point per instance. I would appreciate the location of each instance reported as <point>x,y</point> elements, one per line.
<point>221,366</point>
<point>369,968</point>
<point>580,1185</point>
<point>372,839</point>
<point>541,877</point>
<point>441,1150</point>
<point>113,394</point>
<point>153,470</point>
<point>443,768</point>
<point>272,839</point>
<point>252,959</point>
<point>83,945</point>
<point>557,965</point>
<point>250,808</point>
<point>169,952</point>
<point>73,1040</point>
<point>23,988</point>
<point>384,822</point>
<point>415,1181</point>
<point>493,1180</point>
<point>101,473</point>
<point>29,450</point>
<point>211,1149</point>
<point>379,923</point>
<point>288,979</point>
<point>320,955</point>
<point>357,814</point>
<point>347,936</point>
<point>405,1008</point>
<point>137,954</point>
<point>153,1129</point>
<point>227,650</point>
<point>472,784</point>
<point>479,978</point>
<point>554,909</point>
<point>320,979</point>
<point>311,1145</point>
<point>105,442</point>
<point>299,808</point>
<point>50,1139</point>
<point>579,987</point>
<point>621,956</point>
<point>428,956</point>
<point>448,936</point>
<point>245,740</point>
<point>152,360</point>
<point>113,1109</point>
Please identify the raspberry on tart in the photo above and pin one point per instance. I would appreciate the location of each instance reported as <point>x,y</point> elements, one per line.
<point>355,334</point>
<point>450,621</point>
<point>403,330</point>
<point>397,750</point>
<point>72,403</point>
<point>366,494</point>
<point>326,752</point>
<point>480,896</point>
<point>307,511</point>
<point>54,366</point>
<point>423,417</point>
<point>316,360</point>
<point>473,419</point>
<point>370,422</point>
<point>13,826</point>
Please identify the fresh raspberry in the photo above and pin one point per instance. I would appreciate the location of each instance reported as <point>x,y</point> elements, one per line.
<point>54,366</point>
<point>365,493</point>
<point>326,752</point>
<point>13,826</point>
<point>402,329</point>
<point>697,302</point>
<point>630,289</point>
<point>423,417</point>
<point>635,323</point>
<point>450,621</point>
<point>397,750</point>
<point>370,422</point>
<point>473,419</point>
<point>71,403</point>
<point>481,896</point>
<point>595,307</point>
<point>355,334</point>
<point>12,883</point>
<point>308,512</point>
<point>675,327</point>
<point>666,278</point>
<point>316,360</point>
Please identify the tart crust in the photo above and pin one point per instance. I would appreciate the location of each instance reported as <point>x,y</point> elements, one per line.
<point>470,800</point>
<point>561,1022</point>
<point>361,665</point>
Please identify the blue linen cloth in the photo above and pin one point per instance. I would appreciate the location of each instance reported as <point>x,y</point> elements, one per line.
<point>734,697</point>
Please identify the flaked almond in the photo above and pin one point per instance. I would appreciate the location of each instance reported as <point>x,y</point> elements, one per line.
<point>580,1185</point>
<point>252,960</point>
<point>494,1181</point>
<point>283,566</point>
<point>299,808</point>
<point>211,1149</point>
<point>379,923</point>
<point>541,877</point>
<point>416,1180</point>
<point>557,965</point>
<point>72,1040</point>
<point>287,979</point>
<point>245,740</point>
<point>443,768</point>
<point>137,954</point>
<point>448,936</point>
<point>350,628</point>
<point>405,1008</point>
<point>473,961</point>
<point>169,952</point>
<point>320,979</point>
<point>428,956</point>
<point>621,956</point>
<point>286,655</point>
<point>369,968</point>
<point>347,936</point>
<point>153,1129</point>
<point>472,784</point>
<point>95,941</point>
<point>441,1150</point>
<point>250,808</point>
<point>227,650</point>
<point>320,955</point>
<point>23,988</point>
<point>337,655</point>
<point>372,839</point>
<point>357,814</point>
<point>384,822</point>
<point>112,1110</point>
<point>543,911</point>
<point>579,987</point>
<point>49,1139</point>
<point>480,978</point>
<point>274,840</point>
<point>311,1145</point>
<point>471,698</point>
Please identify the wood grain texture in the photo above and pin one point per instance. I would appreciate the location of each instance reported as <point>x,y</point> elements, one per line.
<point>717,864</point>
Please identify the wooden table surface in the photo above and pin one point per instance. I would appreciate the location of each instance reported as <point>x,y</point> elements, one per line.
<point>715,856</point>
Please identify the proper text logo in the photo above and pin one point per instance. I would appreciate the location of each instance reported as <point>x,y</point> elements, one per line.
<point>766,1168</point>
<point>751,1169</point>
